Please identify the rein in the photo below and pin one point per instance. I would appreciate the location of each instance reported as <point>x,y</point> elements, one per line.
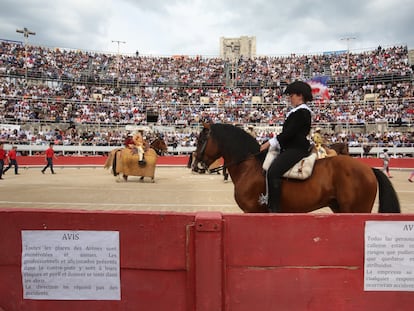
<point>222,167</point>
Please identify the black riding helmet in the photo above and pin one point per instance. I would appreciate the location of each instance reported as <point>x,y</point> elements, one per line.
<point>300,88</point>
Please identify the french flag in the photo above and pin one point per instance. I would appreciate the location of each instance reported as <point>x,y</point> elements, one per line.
<point>319,87</point>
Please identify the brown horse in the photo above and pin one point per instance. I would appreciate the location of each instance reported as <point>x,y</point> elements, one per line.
<point>339,148</point>
<point>159,146</point>
<point>343,183</point>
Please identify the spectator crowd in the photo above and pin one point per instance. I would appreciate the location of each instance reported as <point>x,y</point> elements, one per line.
<point>105,92</point>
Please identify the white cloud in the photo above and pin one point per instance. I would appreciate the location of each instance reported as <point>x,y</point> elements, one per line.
<point>194,27</point>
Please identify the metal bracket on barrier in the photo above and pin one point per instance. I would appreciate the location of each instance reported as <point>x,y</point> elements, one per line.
<point>208,222</point>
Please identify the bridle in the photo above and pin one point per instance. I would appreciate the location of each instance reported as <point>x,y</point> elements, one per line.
<point>222,167</point>
<point>200,155</point>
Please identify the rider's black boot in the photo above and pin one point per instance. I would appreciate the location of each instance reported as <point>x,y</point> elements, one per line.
<point>274,195</point>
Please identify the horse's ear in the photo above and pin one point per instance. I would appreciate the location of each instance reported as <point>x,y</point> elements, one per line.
<point>206,125</point>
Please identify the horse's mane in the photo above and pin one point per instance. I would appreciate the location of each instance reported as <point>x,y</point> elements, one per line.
<point>234,141</point>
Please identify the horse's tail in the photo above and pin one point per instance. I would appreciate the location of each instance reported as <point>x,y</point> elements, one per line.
<point>388,199</point>
<point>114,161</point>
<point>108,161</point>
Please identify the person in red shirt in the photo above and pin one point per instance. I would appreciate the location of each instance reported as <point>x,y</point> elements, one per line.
<point>129,143</point>
<point>49,154</point>
<point>12,155</point>
<point>2,158</point>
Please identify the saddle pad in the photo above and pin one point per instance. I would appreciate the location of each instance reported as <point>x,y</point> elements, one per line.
<point>303,169</point>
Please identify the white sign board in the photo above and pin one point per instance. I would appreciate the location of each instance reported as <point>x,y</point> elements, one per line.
<point>389,256</point>
<point>71,265</point>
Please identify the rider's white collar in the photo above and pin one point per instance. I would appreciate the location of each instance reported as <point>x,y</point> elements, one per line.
<point>301,106</point>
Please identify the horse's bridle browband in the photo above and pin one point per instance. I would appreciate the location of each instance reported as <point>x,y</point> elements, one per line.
<point>203,147</point>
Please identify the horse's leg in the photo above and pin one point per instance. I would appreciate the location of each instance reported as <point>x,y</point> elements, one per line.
<point>190,161</point>
<point>225,174</point>
<point>334,206</point>
<point>118,178</point>
<point>125,177</point>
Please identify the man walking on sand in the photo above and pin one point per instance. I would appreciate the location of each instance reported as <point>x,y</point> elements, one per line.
<point>12,155</point>
<point>49,154</point>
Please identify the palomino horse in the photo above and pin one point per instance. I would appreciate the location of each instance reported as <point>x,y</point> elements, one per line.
<point>333,149</point>
<point>124,162</point>
<point>343,183</point>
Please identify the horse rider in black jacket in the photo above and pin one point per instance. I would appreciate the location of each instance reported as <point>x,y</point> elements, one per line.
<point>292,141</point>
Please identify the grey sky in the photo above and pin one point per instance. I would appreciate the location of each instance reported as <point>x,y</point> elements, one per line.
<point>187,27</point>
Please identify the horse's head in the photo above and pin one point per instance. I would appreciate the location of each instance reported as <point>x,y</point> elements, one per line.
<point>345,149</point>
<point>225,140</point>
<point>159,146</point>
<point>207,150</point>
<point>340,148</point>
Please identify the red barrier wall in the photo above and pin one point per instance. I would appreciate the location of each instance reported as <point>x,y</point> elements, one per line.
<point>211,261</point>
<point>155,264</point>
<point>302,262</point>
<point>92,160</point>
<point>178,160</point>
